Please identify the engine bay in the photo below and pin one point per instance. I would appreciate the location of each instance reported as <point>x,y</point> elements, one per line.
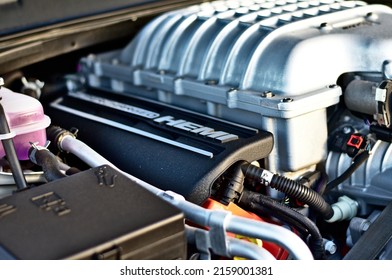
<point>263,129</point>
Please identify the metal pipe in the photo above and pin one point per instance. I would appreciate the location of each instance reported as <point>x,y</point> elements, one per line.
<point>204,217</point>
<point>10,152</point>
<point>273,233</point>
<point>244,249</point>
<point>6,178</point>
<point>235,247</point>
<point>359,96</point>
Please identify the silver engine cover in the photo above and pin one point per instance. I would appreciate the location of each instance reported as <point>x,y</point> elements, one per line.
<point>268,64</point>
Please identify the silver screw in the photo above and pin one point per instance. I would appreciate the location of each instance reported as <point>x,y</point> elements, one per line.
<point>267,94</point>
<point>346,130</point>
<point>330,247</point>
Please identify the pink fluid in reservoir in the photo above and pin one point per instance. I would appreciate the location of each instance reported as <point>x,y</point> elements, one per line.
<point>26,120</point>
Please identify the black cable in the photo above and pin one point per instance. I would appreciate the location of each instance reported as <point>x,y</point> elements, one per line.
<point>258,203</point>
<point>357,162</point>
<point>290,188</point>
<point>10,152</point>
<point>382,133</point>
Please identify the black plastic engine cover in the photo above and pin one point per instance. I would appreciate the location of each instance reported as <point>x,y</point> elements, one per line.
<point>95,214</point>
<point>168,147</point>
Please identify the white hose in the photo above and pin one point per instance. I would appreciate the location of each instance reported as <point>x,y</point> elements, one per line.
<point>84,152</point>
<point>204,217</point>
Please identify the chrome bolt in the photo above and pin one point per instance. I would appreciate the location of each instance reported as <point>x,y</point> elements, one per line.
<point>330,247</point>
<point>267,94</point>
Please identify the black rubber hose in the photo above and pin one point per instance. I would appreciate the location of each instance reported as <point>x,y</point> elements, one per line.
<point>48,162</point>
<point>290,188</point>
<point>9,148</point>
<point>234,184</point>
<point>358,161</point>
<point>259,203</point>
<point>72,171</point>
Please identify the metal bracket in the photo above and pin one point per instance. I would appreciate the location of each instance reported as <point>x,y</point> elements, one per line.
<point>215,240</point>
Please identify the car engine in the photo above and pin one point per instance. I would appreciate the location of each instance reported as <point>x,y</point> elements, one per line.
<point>257,129</point>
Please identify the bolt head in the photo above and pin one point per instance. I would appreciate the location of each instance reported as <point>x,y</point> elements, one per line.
<point>267,94</point>
<point>287,100</point>
<point>211,82</point>
<point>347,130</point>
<point>330,247</point>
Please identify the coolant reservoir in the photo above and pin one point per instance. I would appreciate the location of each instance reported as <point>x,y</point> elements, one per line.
<point>26,120</point>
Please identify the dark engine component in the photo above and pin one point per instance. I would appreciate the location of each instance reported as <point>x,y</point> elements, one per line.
<point>170,148</point>
<point>278,111</point>
<point>96,214</point>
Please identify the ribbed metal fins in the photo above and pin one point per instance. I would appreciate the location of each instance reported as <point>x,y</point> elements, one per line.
<point>267,64</point>
<point>224,41</point>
